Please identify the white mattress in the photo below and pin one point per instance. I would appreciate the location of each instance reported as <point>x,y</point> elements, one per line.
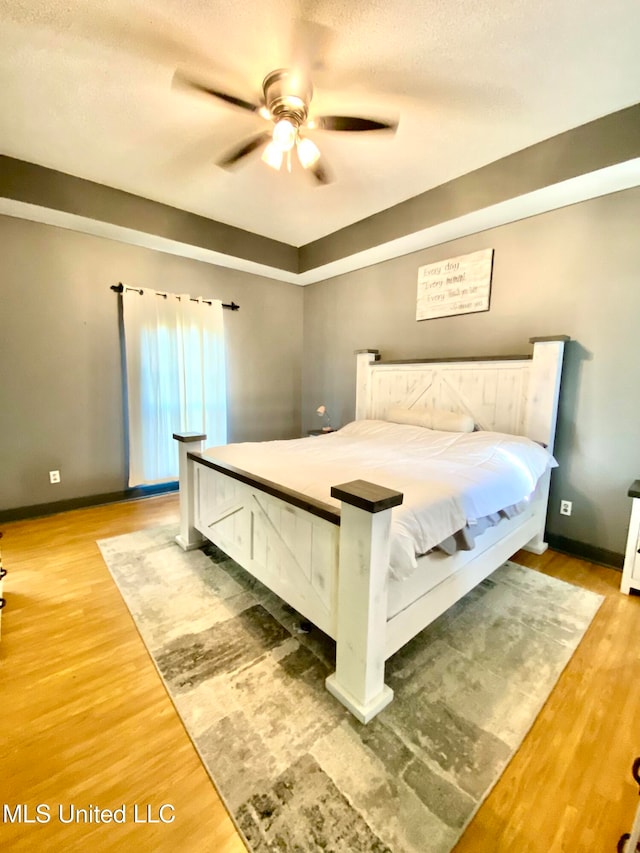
<point>449,480</point>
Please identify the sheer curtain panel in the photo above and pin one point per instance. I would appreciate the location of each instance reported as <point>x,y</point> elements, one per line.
<point>176,378</point>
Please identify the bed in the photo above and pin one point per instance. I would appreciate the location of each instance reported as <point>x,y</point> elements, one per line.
<point>368,552</point>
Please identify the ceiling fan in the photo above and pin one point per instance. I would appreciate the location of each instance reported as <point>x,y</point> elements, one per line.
<point>286,98</point>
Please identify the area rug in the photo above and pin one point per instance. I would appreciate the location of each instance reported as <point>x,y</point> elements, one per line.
<point>296,771</point>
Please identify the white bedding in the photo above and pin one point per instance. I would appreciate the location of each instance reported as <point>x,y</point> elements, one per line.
<point>448,479</point>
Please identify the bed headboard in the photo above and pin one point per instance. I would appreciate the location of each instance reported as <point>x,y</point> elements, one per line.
<point>513,394</point>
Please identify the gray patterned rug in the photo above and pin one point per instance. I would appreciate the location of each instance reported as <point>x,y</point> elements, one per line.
<point>296,770</point>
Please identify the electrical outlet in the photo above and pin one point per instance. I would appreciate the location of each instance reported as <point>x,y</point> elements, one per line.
<point>54,476</point>
<point>566,507</point>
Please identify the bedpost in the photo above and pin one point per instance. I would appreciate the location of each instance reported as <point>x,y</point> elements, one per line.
<point>364,359</point>
<point>189,538</point>
<point>365,523</point>
<point>542,413</point>
<point>544,389</point>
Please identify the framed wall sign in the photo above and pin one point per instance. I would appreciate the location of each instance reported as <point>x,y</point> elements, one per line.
<point>459,285</point>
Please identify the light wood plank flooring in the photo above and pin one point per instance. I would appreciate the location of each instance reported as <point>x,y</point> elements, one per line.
<point>85,720</point>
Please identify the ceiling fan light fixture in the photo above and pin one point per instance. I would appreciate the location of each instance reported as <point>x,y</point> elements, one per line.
<point>308,153</point>
<point>285,134</point>
<point>272,156</point>
<point>285,102</point>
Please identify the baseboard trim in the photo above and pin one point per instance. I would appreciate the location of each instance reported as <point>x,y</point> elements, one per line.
<point>40,510</point>
<point>573,548</point>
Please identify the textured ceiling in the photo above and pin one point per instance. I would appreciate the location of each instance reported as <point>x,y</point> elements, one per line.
<point>87,89</point>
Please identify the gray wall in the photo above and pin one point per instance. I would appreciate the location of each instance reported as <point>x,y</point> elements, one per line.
<point>573,271</point>
<point>61,404</point>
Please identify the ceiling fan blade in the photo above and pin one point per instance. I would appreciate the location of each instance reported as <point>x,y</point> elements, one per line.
<point>247,147</point>
<point>310,43</point>
<point>180,79</point>
<point>157,38</point>
<point>320,173</point>
<point>352,123</point>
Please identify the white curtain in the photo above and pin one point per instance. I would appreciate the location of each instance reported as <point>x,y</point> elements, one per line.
<point>176,378</point>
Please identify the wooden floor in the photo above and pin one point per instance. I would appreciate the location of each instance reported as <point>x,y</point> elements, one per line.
<point>85,720</point>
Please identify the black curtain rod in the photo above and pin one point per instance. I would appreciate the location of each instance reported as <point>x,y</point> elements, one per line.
<point>118,288</point>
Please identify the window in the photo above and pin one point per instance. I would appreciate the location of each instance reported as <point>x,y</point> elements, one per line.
<point>176,378</point>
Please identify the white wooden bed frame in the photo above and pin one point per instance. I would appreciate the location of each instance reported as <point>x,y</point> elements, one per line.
<point>332,565</point>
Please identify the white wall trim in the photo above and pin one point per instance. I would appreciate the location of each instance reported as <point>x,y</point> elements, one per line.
<point>612,179</point>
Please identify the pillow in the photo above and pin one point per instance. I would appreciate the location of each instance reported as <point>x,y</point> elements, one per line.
<point>439,419</point>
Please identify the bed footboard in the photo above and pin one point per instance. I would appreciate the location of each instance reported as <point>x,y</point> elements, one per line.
<point>330,565</point>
